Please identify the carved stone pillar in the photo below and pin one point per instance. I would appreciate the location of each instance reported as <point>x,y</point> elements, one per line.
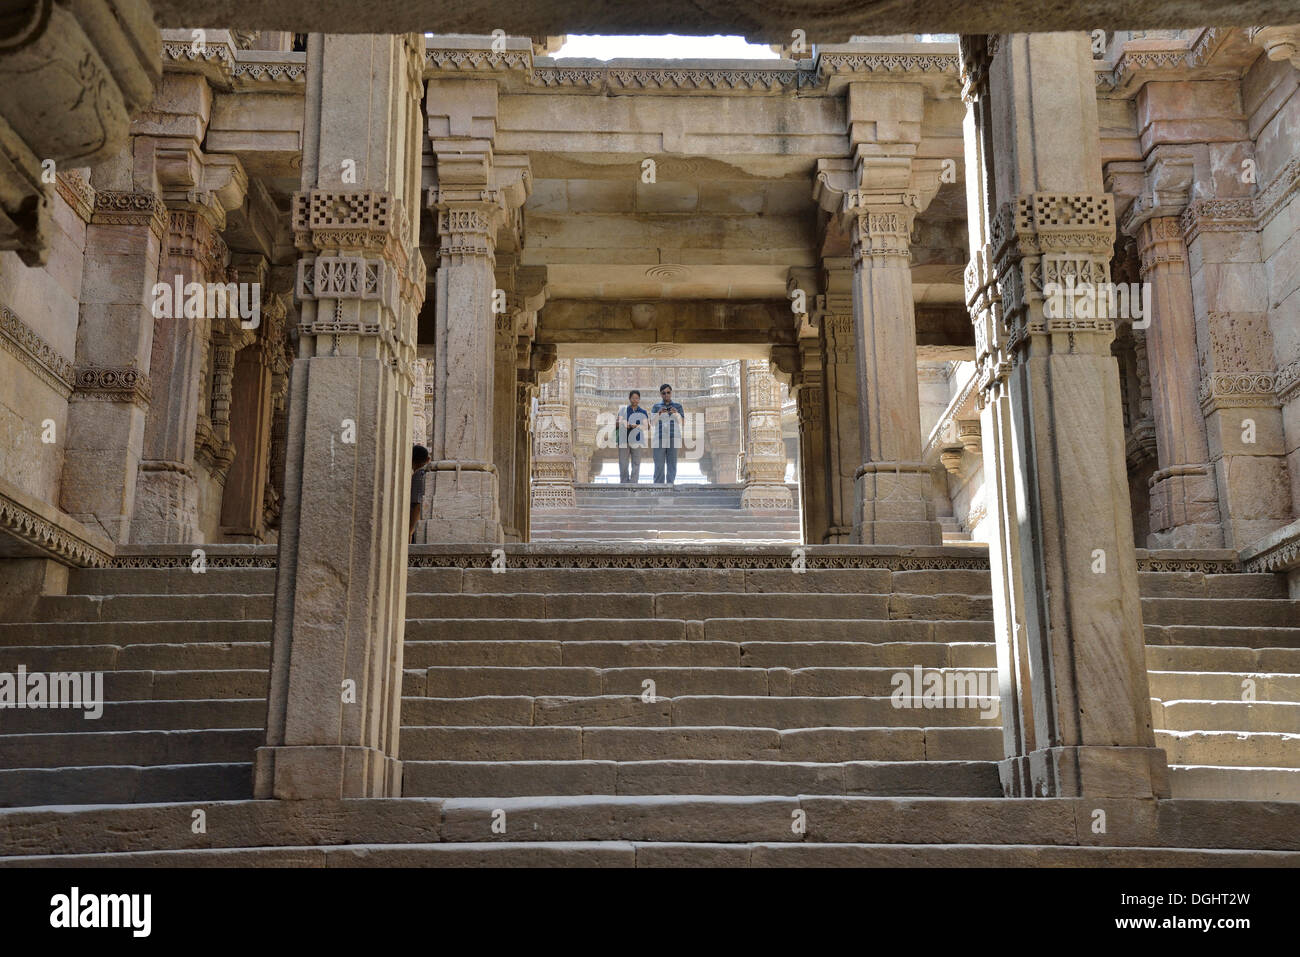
<point>504,398</point>
<point>765,487</point>
<point>1184,496</point>
<point>586,408</point>
<point>892,500</point>
<point>334,710</point>
<point>1238,395</point>
<point>524,395</point>
<point>843,427</point>
<point>279,361</point>
<point>1071,658</point>
<point>244,495</point>
<point>477,194</point>
<point>553,468</point>
<point>107,410</point>
<point>198,190</point>
<point>722,426</point>
<point>810,398</point>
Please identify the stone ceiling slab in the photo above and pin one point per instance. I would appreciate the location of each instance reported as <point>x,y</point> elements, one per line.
<point>821,20</point>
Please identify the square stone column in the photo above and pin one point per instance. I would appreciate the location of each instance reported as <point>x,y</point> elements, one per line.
<point>1068,620</point>
<point>892,501</point>
<point>765,488</point>
<point>525,392</point>
<point>553,466</point>
<point>505,399</point>
<point>1184,493</point>
<point>112,393</point>
<point>843,425</point>
<point>477,196</point>
<point>334,709</point>
<point>810,399</point>
<point>1239,381</point>
<point>167,493</point>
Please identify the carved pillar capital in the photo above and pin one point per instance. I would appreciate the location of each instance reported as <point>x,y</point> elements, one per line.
<point>1045,240</point>
<point>1160,243</point>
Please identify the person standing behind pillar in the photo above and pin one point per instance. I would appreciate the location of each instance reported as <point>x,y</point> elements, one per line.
<point>419,459</point>
<point>632,435</point>
<point>668,417</point>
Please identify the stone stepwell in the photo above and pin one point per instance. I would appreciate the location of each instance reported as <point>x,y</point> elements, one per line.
<point>644,715</point>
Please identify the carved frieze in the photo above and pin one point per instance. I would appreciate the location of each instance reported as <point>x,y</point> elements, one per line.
<point>121,384</point>
<point>126,208</point>
<point>29,348</point>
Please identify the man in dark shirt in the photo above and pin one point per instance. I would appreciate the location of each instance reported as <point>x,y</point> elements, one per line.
<point>632,436</point>
<point>419,459</point>
<point>668,417</point>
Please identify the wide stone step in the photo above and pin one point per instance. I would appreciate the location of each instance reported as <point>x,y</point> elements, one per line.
<point>1223,685</point>
<point>699,606</point>
<point>561,743</point>
<point>687,710</point>
<point>612,854</point>
<point>529,778</point>
<point>684,536</point>
<point>1235,783</point>
<point>844,581</point>
<point>103,748</point>
<point>469,681</point>
<point>1202,585</point>
<point>810,654</point>
<point>134,632</point>
<point>1281,717</point>
<point>45,835</point>
<point>214,656</point>
<point>1239,612</point>
<point>701,654</point>
<point>1225,636</point>
<point>734,520</point>
<point>177,685</point>
<point>122,784</point>
<point>735,630</point>
<point>162,607</point>
<point>231,713</point>
<point>171,581</point>
<point>1223,658</point>
<point>1260,749</point>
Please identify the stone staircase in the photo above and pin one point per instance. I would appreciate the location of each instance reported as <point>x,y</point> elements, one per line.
<point>533,681</point>
<point>684,513</point>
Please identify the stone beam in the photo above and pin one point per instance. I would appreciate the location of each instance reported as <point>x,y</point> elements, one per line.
<point>563,321</point>
<point>822,22</point>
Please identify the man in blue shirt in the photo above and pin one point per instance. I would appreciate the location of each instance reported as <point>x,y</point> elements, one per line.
<point>633,433</point>
<point>668,417</point>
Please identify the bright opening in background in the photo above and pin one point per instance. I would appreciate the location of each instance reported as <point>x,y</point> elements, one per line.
<point>670,47</point>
